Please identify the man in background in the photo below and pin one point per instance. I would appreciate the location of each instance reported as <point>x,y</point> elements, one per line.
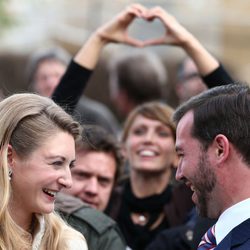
<point>189,82</point>
<point>44,72</point>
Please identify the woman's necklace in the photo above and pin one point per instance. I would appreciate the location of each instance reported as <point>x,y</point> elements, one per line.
<point>140,219</point>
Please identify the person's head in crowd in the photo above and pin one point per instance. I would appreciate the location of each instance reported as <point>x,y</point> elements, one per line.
<point>37,141</point>
<point>97,168</point>
<point>135,78</point>
<point>189,82</point>
<point>149,139</point>
<point>45,69</point>
<point>213,145</point>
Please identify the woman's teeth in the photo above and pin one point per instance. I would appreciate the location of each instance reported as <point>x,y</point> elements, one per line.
<point>147,153</point>
<point>49,192</point>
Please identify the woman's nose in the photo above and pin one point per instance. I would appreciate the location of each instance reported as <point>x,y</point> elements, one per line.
<point>66,179</point>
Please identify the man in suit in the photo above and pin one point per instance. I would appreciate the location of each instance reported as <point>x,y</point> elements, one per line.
<point>213,144</point>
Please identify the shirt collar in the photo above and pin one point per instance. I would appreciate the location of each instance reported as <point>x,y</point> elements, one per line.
<point>239,212</point>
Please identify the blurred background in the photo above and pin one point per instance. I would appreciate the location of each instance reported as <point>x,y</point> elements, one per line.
<point>223,26</point>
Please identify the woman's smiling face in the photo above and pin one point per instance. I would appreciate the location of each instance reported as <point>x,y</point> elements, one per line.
<point>38,178</point>
<point>150,145</point>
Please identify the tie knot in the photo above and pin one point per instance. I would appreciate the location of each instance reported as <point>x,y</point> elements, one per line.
<point>208,241</point>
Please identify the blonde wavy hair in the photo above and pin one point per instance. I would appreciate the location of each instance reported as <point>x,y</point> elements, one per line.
<point>27,120</point>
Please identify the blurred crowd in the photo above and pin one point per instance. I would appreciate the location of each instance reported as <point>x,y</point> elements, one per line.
<point>124,192</point>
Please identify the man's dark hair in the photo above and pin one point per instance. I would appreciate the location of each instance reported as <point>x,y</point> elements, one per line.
<point>221,110</point>
<point>141,75</point>
<point>98,139</point>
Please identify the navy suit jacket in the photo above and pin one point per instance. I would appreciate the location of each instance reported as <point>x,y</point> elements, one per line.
<point>237,239</point>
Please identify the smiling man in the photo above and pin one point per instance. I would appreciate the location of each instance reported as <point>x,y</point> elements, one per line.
<point>97,167</point>
<point>213,144</point>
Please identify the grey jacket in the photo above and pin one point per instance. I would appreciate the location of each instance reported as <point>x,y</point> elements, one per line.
<point>100,231</point>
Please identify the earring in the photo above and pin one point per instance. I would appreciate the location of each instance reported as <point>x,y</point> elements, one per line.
<point>10,174</point>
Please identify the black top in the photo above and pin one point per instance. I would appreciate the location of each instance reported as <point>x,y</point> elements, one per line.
<point>174,203</point>
<point>69,95</point>
<point>217,77</point>
<point>137,236</point>
<point>71,86</point>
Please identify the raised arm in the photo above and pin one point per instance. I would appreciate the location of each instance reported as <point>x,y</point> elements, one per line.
<point>79,71</point>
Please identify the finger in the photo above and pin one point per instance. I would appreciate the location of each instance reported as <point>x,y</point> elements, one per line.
<point>154,12</point>
<point>157,41</point>
<point>158,12</point>
<point>134,42</point>
<point>140,9</point>
<point>136,10</point>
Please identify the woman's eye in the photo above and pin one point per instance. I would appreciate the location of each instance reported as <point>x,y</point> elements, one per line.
<point>72,164</point>
<point>163,133</point>
<point>57,163</point>
<point>138,131</point>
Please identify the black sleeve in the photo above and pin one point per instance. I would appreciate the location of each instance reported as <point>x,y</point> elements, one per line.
<point>71,86</point>
<point>217,77</point>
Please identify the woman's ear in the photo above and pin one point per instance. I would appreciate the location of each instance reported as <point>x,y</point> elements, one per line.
<point>123,151</point>
<point>10,156</point>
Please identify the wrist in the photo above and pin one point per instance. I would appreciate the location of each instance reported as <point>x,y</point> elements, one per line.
<point>100,38</point>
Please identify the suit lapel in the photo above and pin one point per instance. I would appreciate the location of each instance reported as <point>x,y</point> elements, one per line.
<point>236,237</point>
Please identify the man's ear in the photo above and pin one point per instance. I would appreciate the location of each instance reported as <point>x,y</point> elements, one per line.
<point>221,147</point>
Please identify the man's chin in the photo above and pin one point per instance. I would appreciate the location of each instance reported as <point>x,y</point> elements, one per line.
<point>92,204</point>
<point>200,206</point>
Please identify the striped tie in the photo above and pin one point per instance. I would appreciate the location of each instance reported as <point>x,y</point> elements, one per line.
<point>208,241</point>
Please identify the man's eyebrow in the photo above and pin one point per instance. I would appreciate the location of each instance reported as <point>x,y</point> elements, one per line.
<point>107,175</point>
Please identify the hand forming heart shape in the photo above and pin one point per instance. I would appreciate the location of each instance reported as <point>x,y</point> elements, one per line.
<point>117,29</point>
<point>144,30</point>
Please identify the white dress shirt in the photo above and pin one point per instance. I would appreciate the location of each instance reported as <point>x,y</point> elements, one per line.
<point>231,218</point>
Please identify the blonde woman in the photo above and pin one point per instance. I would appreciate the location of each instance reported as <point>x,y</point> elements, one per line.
<point>37,151</point>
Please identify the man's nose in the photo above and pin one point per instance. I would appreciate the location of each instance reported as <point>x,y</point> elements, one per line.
<point>92,186</point>
<point>179,175</point>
